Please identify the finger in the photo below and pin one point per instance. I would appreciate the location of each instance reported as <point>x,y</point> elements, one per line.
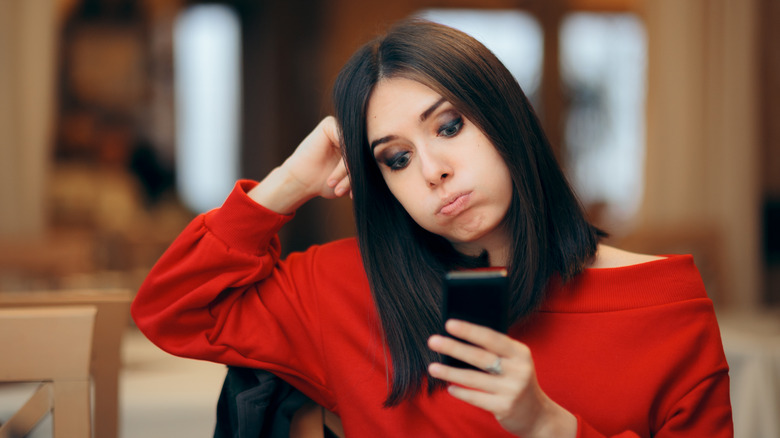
<point>466,377</point>
<point>338,174</point>
<point>470,354</point>
<point>343,187</point>
<point>331,130</point>
<point>325,134</point>
<point>496,404</point>
<point>489,339</point>
<point>339,180</point>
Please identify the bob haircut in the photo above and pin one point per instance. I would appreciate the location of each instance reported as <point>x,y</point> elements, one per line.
<point>550,236</point>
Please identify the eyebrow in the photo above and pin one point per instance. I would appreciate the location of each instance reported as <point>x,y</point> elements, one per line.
<point>379,141</point>
<point>427,113</point>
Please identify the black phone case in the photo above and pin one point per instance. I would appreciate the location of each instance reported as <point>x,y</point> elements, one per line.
<point>477,296</point>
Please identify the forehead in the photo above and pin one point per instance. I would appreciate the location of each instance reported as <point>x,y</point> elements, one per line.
<point>396,101</point>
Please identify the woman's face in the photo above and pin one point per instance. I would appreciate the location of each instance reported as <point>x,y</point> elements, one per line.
<point>441,167</point>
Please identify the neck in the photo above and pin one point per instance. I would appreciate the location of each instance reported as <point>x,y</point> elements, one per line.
<point>496,244</point>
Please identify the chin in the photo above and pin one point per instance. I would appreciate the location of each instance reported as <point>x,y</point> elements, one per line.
<point>467,238</point>
<point>474,229</point>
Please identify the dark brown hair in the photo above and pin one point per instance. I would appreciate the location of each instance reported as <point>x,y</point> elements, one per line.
<point>405,263</point>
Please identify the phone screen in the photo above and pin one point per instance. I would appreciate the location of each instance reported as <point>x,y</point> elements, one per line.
<point>477,296</point>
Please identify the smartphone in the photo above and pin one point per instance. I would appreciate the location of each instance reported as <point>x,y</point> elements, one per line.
<point>479,296</point>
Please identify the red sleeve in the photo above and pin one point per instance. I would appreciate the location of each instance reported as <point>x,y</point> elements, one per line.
<point>585,430</point>
<point>219,293</point>
<point>703,412</point>
<point>694,401</point>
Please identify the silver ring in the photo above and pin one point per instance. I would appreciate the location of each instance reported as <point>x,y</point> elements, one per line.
<point>495,367</point>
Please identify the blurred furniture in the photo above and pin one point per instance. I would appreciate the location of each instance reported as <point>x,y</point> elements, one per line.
<point>111,321</point>
<point>751,341</point>
<point>51,345</point>
<point>39,263</point>
<point>313,421</point>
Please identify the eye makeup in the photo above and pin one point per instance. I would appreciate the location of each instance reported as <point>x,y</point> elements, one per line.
<point>398,161</point>
<point>440,120</point>
<point>451,128</point>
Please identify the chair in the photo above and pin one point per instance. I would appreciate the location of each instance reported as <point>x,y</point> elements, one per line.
<point>111,322</point>
<point>313,421</point>
<point>51,345</point>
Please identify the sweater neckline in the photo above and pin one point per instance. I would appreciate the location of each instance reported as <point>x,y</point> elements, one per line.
<point>656,282</point>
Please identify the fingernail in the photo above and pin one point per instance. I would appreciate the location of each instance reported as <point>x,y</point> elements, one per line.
<point>451,324</point>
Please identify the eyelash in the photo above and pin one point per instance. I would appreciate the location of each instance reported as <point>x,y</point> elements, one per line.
<point>456,123</point>
<point>398,161</point>
<point>447,130</point>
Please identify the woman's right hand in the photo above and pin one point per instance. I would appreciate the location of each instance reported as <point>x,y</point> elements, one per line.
<point>317,165</point>
<point>315,168</point>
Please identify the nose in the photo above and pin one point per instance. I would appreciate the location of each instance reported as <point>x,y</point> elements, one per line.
<point>435,168</point>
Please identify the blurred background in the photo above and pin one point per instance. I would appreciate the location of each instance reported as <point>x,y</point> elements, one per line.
<point>120,120</point>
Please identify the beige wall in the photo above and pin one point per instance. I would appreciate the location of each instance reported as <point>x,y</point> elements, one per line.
<point>702,144</point>
<point>27,60</point>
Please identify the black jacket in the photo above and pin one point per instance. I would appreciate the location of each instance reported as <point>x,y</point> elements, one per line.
<point>255,403</point>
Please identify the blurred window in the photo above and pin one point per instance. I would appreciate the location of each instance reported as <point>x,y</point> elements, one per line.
<point>207,69</point>
<point>515,37</point>
<point>603,61</point>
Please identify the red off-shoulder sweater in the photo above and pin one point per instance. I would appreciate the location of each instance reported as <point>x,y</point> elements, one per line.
<point>632,351</point>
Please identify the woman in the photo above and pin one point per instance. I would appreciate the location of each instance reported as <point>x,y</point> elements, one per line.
<point>448,169</point>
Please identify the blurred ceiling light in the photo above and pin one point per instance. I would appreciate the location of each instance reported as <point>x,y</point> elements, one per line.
<point>207,83</point>
<point>514,36</point>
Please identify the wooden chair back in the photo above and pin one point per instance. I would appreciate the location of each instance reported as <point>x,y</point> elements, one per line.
<point>111,322</point>
<point>51,345</point>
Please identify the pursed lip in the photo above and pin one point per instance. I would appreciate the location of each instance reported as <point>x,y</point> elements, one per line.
<point>454,204</point>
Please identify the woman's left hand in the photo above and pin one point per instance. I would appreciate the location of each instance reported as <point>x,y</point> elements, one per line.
<point>509,391</point>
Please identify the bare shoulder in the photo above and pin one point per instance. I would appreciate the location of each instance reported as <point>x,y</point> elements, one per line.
<point>611,257</point>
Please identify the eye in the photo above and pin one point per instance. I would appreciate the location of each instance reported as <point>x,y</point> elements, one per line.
<point>451,128</point>
<point>398,161</point>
